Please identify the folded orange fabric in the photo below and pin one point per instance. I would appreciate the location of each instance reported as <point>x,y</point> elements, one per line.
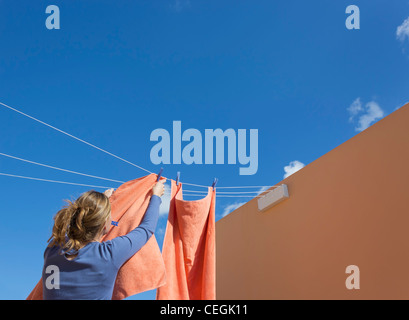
<point>145,270</point>
<point>189,248</point>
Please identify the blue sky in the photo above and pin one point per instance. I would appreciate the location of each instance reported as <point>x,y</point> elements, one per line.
<point>116,71</point>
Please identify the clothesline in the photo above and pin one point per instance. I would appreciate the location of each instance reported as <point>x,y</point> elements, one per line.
<point>97,177</point>
<point>60,169</point>
<point>105,187</point>
<point>100,149</point>
<point>74,137</point>
<point>219,195</point>
<point>56,181</point>
<point>244,194</point>
<point>236,187</point>
<point>235,192</point>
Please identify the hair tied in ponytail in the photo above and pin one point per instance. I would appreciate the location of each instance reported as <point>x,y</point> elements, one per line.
<point>80,221</point>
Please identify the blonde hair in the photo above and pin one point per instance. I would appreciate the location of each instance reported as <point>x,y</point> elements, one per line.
<point>80,222</point>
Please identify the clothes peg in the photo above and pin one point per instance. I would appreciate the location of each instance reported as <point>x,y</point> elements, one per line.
<point>177,177</point>
<point>159,174</point>
<point>214,183</point>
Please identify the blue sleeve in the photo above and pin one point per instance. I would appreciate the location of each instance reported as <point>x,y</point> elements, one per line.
<point>126,246</point>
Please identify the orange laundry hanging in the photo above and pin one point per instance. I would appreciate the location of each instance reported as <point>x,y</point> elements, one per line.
<point>189,248</point>
<point>145,270</point>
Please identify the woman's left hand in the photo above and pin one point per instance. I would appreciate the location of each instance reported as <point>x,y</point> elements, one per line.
<point>109,192</point>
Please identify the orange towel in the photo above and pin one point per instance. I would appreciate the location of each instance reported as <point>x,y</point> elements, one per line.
<point>189,248</point>
<point>146,269</point>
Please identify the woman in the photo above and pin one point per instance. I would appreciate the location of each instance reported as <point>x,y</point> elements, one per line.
<point>87,268</point>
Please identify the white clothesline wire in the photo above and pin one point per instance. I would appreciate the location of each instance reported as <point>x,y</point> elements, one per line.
<point>109,153</point>
<point>247,187</point>
<point>104,187</point>
<point>60,169</point>
<point>205,192</point>
<point>56,181</point>
<point>217,195</point>
<point>199,185</point>
<point>97,177</point>
<point>74,137</point>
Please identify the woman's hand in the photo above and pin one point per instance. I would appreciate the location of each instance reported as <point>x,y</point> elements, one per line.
<point>109,192</point>
<point>159,188</point>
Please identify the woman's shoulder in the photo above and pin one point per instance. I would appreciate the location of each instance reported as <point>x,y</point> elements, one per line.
<point>51,249</point>
<point>93,252</point>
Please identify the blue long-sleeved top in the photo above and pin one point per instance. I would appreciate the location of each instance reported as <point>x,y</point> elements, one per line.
<point>92,273</point>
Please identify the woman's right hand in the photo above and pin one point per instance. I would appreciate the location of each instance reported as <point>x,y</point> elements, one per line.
<point>159,188</point>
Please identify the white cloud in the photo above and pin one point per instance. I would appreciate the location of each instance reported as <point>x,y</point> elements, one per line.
<point>402,31</point>
<point>262,189</point>
<point>400,106</point>
<point>231,207</point>
<point>367,115</point>
<point>354,108</point>
<point>293,167</point>
<point>373,113</point>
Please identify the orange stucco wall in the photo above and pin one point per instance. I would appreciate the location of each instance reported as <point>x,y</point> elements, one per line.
<point>348,207</point>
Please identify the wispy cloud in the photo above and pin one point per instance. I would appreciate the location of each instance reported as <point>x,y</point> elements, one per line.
<point>354,109</point>
<point>231,207</point>
<point>262,190</point>
<point>402,32</point>
<point>373,113</point>
<point>364,116</point>
<point>400,106</point>
<point>293,167</point>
